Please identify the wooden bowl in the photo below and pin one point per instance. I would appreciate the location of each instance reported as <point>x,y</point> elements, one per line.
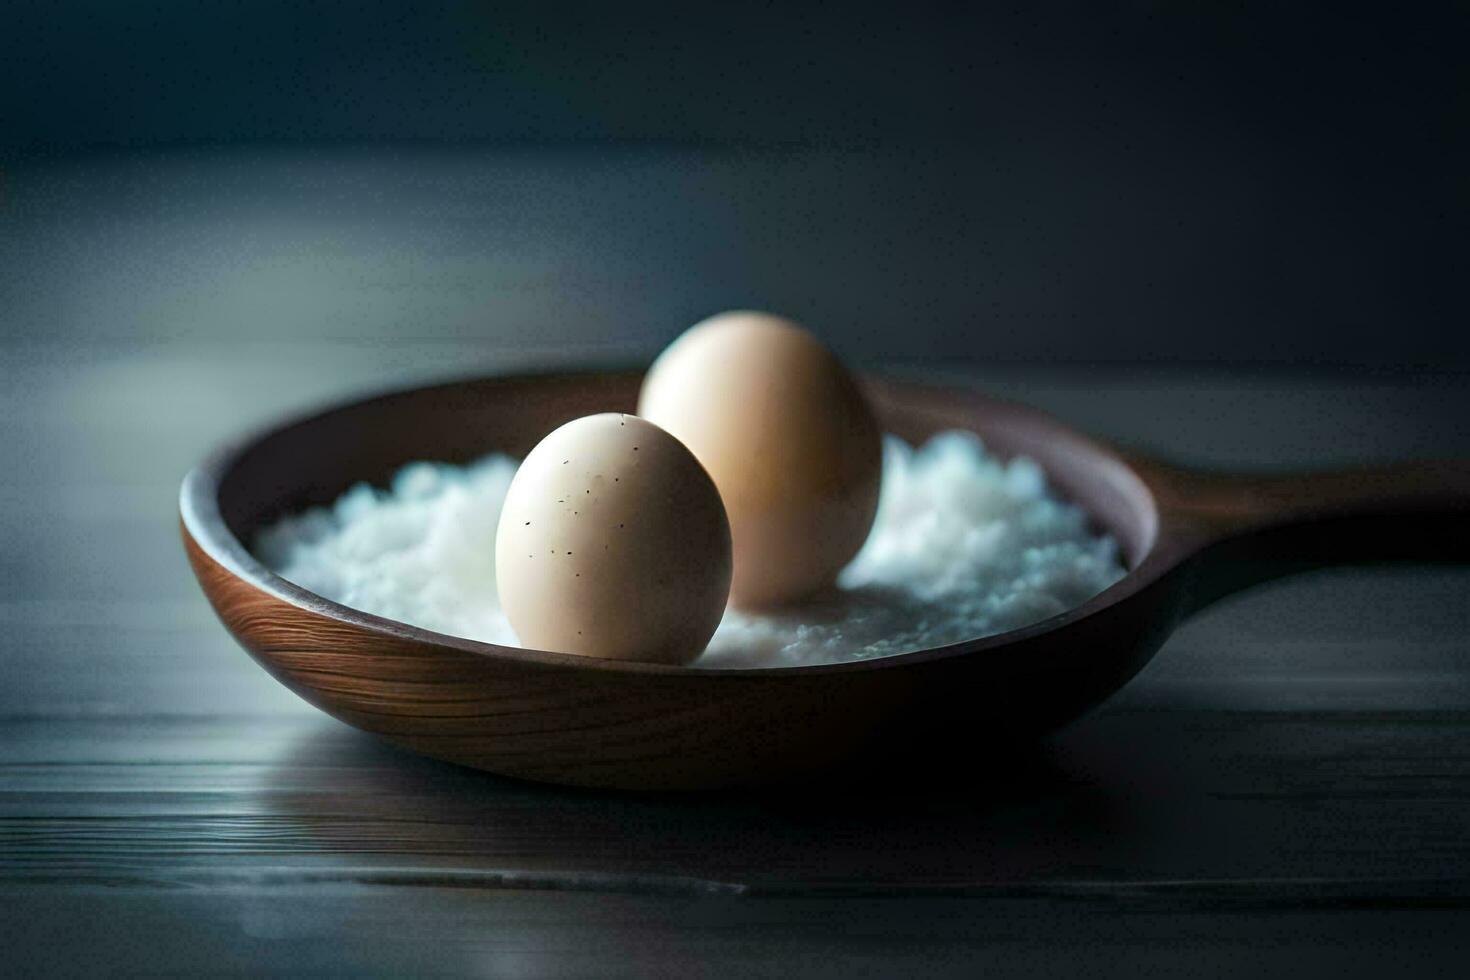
<point>1187,537</point>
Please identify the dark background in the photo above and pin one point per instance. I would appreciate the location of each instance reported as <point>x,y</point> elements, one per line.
<point>1055,181</point>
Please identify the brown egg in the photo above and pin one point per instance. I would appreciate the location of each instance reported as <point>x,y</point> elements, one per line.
<point>613,543</point>
<point>789,440</point>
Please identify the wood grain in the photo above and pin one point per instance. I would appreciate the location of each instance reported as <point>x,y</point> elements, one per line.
<point>1199,841</point>
<point>1189,537</point>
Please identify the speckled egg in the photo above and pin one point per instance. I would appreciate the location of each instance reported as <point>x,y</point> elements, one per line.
<point>613,542</point>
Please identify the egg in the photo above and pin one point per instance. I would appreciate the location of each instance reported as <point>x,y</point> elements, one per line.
<point>788,438</point>
<point>613,542</point>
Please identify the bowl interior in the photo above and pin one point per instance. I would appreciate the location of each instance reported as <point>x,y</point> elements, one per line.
<point>312,461</point>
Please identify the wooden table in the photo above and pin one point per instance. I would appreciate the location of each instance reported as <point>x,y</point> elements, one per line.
<point>1287,786</point>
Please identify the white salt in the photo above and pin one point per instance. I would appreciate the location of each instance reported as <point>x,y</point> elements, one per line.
<point>963,546</point>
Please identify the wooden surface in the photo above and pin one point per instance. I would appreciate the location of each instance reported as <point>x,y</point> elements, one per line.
<point>1286,787</point>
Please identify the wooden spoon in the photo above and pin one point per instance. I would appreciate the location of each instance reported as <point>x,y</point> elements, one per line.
<point>1188,538</point>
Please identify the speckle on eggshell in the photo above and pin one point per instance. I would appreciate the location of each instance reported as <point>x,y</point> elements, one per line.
<point>656,597</point>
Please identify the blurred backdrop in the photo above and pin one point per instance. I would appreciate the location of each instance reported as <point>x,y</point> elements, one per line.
<point>1137,182</point>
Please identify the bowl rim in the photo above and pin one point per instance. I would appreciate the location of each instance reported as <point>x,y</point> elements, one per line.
<point>203,523</point>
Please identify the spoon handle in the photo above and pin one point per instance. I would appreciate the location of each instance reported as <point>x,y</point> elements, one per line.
<point>1243,530</point>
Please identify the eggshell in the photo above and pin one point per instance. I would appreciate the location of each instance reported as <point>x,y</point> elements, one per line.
<point>789,440</point>
<point>613,543</point>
